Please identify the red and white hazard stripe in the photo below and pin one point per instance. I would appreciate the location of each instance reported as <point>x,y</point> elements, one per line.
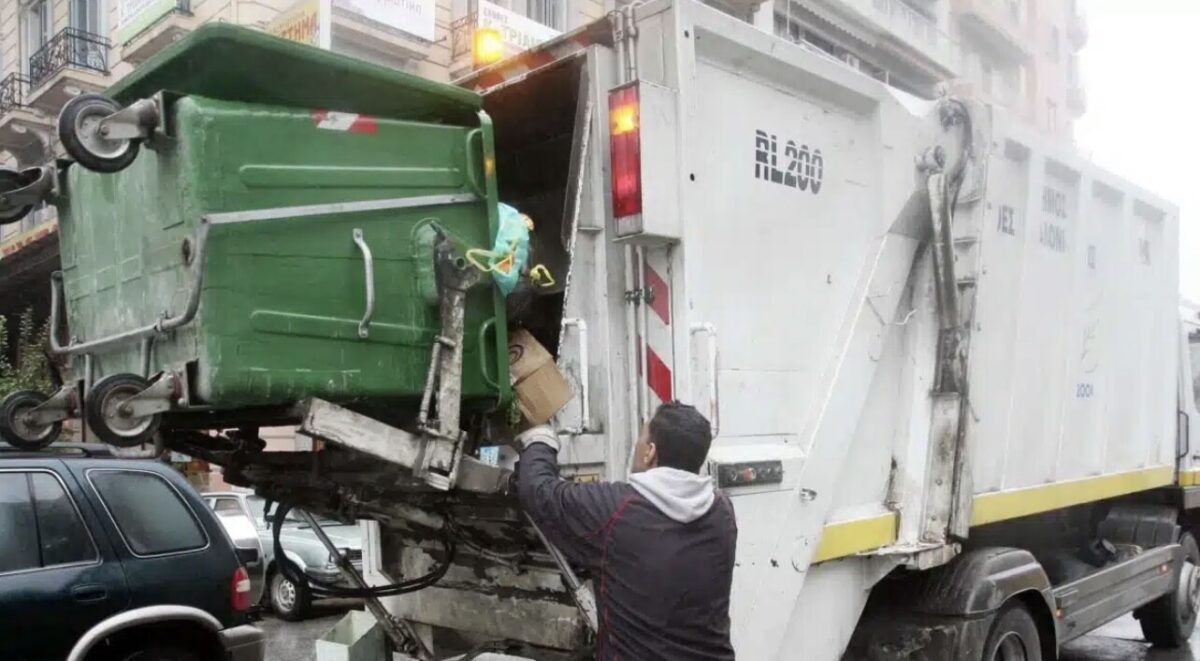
<point>658,345</point>
<point>352,122</point>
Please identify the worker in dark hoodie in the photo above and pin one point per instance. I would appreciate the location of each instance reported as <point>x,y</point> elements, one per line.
<point>660,547</point>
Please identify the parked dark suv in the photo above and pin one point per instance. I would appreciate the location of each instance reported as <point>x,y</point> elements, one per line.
<point>105,559</point>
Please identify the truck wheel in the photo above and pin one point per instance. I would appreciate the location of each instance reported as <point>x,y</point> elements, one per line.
<point>105,415</point>
<point>1014,637</point>
<point>288,600</point>
<point>1169,620</point>
<point>79,131</point>
<point>22,434</point>
<point>11,181</point>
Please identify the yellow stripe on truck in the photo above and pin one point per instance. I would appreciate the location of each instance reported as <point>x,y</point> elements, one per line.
<point>1189,478</point>
<point>1004,505</point>
<point>850,537</point>
<point>846,538</point>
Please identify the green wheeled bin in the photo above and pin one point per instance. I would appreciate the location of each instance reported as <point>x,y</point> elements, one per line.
<point>263,229</point>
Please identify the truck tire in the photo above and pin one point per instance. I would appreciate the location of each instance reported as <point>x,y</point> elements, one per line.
<point>1014,636</point>
<point>289,601</point>
<point>1169,620</point>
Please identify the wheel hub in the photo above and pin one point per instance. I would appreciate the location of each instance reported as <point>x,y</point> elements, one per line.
<point>1188,593</point>
<point>285,594</point>
<point>1011,648</point>
<point>92,135</point>
<point>25,427</point>
<point>118,415</point>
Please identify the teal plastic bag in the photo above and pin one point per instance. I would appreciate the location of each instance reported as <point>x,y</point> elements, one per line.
<point>510,251</point>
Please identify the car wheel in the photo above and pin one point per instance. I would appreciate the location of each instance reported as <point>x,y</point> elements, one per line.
<point>288,600</point>
<point>162,653</point>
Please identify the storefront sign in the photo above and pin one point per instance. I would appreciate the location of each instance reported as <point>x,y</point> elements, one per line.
<point>415,17</point>
<point>307,21</point>
<point>27,237</point>
<point>519,33</point>
<point>133,16</point>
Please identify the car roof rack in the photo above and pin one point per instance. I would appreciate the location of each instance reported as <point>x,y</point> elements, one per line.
<point>57,451</point>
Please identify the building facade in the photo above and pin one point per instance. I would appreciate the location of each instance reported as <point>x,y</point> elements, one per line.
<point>1018,54</point>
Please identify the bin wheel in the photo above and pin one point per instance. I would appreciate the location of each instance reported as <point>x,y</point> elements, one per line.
<point>22,434</point>
<point>104,414</point>
<point>11,181</point>
<point>79,131</point>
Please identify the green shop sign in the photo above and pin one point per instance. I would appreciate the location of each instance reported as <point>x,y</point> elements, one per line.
<point>134,16</point>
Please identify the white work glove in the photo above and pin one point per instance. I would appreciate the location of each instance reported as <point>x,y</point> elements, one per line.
<point>540,434</point>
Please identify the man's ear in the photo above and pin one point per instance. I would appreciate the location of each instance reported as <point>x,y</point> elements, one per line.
<point>651,458</point>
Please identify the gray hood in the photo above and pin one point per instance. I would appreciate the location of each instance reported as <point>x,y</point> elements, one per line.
<point>681,495</point>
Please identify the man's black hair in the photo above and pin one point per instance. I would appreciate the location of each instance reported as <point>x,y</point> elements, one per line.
<point>681,435</point>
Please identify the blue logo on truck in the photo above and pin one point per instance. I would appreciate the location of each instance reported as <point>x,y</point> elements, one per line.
<point>802,168</point>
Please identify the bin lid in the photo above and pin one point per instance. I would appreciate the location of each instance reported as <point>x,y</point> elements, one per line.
<point>233,63</point>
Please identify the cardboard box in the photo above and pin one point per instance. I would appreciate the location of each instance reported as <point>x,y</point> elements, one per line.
<point>540,389</point>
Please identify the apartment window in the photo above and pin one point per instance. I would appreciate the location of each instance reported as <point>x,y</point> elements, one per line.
<point>786,28</point>
<point>551,13</point>
<point>548,12</point>
<point>985,74</point>
<point>88,15</point>
<point>36,23</point>
<point>1051,115</point>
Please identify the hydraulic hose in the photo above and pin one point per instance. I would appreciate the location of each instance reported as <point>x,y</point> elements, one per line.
<point>293,573</point>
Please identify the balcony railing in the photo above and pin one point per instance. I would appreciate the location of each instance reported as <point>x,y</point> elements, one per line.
<point>69,48</point>
<point>13,90</point>
<point>462,31</point>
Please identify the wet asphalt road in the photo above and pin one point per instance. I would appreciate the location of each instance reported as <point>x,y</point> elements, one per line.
<point>294,641</point>
<point>1119,641</point>
<point>1122,641</point>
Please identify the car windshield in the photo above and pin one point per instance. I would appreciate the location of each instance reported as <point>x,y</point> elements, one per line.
<point>258,505</point>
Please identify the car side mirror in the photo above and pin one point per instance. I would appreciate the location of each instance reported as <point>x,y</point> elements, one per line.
<point>248,556</point>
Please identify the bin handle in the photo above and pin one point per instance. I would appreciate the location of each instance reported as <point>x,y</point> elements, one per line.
<point>483,352</point>
<point>472,164</point>
<point>369,276</point>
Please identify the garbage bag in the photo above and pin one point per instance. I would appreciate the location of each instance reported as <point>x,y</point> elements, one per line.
<point>509,256</point>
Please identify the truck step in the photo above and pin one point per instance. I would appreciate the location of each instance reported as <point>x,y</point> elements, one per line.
<point>1088,602</point>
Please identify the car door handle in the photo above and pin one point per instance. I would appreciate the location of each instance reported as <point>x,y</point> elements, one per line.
<point>89,593</point>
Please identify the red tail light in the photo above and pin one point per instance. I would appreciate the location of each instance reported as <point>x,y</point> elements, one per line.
<point>239,590</point>
<point>625,150</point>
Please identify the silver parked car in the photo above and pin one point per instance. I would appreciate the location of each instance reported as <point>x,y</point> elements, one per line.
<point>288,600</point>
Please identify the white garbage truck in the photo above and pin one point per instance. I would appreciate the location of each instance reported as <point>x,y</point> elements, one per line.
<point>942,356</point>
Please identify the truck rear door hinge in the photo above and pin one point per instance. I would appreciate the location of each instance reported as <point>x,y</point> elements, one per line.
<point>638,296</point>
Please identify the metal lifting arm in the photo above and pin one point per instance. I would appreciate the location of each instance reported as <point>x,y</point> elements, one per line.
<point>398,631</point>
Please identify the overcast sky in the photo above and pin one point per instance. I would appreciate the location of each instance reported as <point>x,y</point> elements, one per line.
<point>1142,70</point>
